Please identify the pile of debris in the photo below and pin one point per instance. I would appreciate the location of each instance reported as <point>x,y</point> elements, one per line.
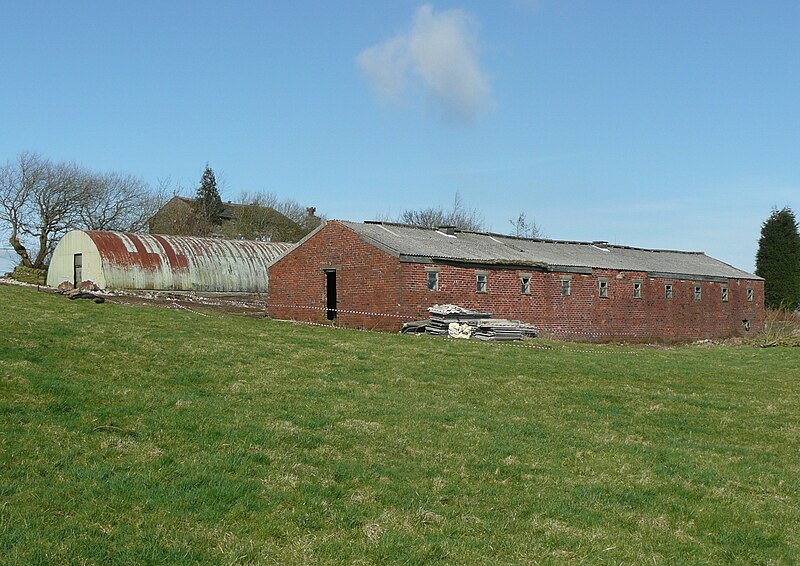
<point>85,291</point>
<point>443,316</point>
<point>459,322</point>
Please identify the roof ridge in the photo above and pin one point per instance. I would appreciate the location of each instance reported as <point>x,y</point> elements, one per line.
<point>523,238</point>
<point>178,237</point>
<point>233,205</point>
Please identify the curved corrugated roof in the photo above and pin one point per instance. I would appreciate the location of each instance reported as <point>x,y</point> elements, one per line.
<point>150,261</point>
<point>409,242</point>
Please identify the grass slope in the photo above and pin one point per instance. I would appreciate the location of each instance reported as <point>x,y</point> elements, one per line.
<point>133,435</point>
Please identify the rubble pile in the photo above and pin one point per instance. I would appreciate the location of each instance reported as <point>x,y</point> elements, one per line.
<point>86,290</point>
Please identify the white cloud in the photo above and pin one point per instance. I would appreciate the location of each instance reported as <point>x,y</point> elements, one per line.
<point>387,65</point>
<point>440,52</point>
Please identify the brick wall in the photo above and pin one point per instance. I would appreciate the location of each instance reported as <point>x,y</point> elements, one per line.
<point>367,281</point>
<point>370,280</point>
<point>584,314</point>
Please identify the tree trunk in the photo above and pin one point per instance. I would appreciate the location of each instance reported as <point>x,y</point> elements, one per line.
<point>38,263</point>
<point>22,252</point>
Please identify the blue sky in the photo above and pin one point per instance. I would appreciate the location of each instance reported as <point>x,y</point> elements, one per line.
<point>669,125</point>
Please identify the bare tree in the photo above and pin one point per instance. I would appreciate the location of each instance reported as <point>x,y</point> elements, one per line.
<point>18,181</point>
<point>54,207</point>
<point>118,202</point>
<point>40,201</point>
<point>253,219</point>
<point>434,217</point>
<point>303,216</point>
<point>523,228</point>
<point>426,217</point>
<point>39,204</point>
<point>256,217</point>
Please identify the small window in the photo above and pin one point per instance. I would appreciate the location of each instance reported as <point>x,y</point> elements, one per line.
<point>724,293</point>
<point>668,291</point>
<point>749,294</point>
<point>525,284</point>
<point>637,290</point>
<point>565,287</point>
<point>746,325</point>
<point>480,282</point>
<point>698,292</point>
<point>433,281</point>
<point>602,288</point>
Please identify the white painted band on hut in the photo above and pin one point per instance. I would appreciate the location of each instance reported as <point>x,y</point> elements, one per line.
<point>114,260</point>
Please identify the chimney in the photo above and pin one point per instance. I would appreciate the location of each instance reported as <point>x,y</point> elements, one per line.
<point>311,220</point>
<point>449,230</point>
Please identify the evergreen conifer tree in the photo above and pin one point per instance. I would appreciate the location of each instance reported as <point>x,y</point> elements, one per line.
<point>778,259</point>
<point>209,203</point>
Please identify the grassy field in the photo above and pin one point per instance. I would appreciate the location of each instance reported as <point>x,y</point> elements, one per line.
<point>148,435</point>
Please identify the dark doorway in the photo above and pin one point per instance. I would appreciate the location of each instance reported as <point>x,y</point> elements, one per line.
<point>77,271</point>
<point>330,292</point>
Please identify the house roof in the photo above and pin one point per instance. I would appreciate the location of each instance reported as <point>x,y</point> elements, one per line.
<point>411,243</point>
<point>229,209</point>
<point>285,227</point>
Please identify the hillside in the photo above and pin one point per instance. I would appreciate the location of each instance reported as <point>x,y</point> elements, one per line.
<point>132,434</point>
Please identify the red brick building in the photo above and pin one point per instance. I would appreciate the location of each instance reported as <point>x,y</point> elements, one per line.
<point>378,275</point>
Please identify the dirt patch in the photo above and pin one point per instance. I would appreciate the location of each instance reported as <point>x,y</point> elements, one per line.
<point>238,303</point>
<point>241,304</point>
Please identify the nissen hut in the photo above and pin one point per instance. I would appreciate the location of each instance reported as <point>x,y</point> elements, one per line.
<point>378,275</point>
<point>114,260</point>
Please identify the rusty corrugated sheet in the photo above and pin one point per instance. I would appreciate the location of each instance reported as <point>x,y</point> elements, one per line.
<point>148,261</point>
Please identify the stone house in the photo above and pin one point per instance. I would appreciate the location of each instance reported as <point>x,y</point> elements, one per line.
<point>175,217</point>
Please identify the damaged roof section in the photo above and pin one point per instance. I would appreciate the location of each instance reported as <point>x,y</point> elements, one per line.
<point>415,244</point>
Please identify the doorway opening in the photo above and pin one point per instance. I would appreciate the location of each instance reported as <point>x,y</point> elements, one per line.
<point>77,270</point>
<point>330,293</point>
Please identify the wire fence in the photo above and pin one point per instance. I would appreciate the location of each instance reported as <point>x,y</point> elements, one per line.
<point>543,329</point>
<point>547,332</point>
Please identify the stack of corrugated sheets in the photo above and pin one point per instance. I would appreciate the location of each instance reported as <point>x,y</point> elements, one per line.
<point>443,315</point>
<point>501,329</point>
<point>484,327</point>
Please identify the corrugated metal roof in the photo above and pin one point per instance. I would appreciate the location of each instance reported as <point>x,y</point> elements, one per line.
<point>149,261</point>
<point>410,243</point>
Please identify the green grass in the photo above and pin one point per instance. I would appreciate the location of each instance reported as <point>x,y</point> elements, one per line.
<point>149,435</point>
